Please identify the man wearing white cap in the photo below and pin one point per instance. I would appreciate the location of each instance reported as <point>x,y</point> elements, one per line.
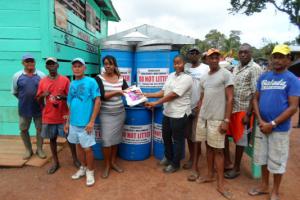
<point>84,104</point>
<point>275,102</point>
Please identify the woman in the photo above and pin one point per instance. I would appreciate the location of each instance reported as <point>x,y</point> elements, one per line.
<point>112,113</point>
<point>176,97</point>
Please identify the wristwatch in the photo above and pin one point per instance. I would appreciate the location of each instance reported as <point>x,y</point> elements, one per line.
<point>273,123</point>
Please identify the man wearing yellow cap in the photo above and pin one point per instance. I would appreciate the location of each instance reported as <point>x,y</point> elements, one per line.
<point>276,100</point>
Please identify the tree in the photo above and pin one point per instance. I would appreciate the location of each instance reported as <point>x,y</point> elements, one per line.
<point>215,39</point>
<point>248,7</point>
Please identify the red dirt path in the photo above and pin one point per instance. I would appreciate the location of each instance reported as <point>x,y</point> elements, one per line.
<point>141,180</point>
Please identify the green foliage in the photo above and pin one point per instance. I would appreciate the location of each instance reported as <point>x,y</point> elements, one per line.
<point>248,7</point>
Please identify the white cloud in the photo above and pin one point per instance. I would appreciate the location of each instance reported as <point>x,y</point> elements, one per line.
<point>197,17</point>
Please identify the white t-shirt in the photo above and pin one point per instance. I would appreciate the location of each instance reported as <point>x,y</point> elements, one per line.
<point>197,73</point>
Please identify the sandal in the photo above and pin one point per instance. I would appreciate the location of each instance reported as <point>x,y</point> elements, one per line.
<point>193,176</point>
<point>53,169</point>
<point>226,194</point>
<point>257,192</point>
<point>117,168</point>
<point>201,180</point>
<point>188,165</point>
<point>105,173</point>
<point>231,174</point>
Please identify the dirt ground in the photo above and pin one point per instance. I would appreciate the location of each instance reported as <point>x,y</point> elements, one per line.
<point>141,180</point>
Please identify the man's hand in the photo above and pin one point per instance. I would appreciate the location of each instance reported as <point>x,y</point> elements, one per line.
<point>265,127</point>
<point>246,119</point>
<point>150,104</point>
<point>66,128</point>
<point>45,94</point>
<point>223,128</point>
<point>89,127</point>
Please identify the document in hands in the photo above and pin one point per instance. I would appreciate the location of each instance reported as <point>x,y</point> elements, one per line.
<point>134,96</point>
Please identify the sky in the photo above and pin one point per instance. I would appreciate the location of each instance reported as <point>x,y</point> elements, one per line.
<point>196,18</point>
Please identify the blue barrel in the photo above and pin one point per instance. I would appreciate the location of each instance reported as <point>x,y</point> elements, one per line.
<point>136,144</point>
<point>153,63</point>
<point>158,144</point>
<point>97,148</point>
<point>125,58</point>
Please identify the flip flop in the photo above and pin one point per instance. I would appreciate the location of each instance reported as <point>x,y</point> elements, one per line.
<point>53,169</point>
<point>193,176</point>
<point>117,168</point>
<point>226,194</point>
<point>105,173</point>
<point>187,165</point>
<point>201,180</point>
<point>231,174</point>
<point>256,192</point>
<point>275,198</point>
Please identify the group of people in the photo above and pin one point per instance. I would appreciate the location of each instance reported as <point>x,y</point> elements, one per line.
<point>208,104</point>
<point>203,103</point>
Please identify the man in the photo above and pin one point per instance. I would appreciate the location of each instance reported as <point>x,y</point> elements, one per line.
<point>84,104</point>
<point>24,87</point>
<point>52,91</point>
<point>215,109</point>
<point>197,70</point>
<point>245,77</point>
<point>276,100</point>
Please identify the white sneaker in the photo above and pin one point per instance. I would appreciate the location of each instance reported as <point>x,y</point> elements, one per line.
<point>90,180</point>
<point>80,173</point>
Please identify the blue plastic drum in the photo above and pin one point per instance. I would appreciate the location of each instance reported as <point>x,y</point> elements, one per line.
<point>97,148</point>
<point>136,143</point>
<point>124,56</point>
<point>153,63</point>
<point>158,144</point>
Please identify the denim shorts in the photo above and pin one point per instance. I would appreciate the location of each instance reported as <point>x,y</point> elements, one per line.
<point>78,135</point>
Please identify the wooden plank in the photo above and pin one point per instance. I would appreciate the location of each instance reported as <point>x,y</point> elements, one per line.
<point>20,45</point>
<point>16,5</point>
<point>20,33</point>
<point>7,128</point>
<point>12,163</point>
<point>68,53</point>
<point>69,40</point>
<point>35,161</point>
<point>17,55</point>
<point>19,18</point>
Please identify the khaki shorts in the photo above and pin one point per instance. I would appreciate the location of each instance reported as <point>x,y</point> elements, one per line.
<point>24,123</point>
<point>272,150</point>
<point>208,130</point>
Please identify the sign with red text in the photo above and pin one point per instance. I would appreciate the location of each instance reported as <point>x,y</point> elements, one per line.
<point>137,134</point>
<point>157,133</point>
<point>152,77</point>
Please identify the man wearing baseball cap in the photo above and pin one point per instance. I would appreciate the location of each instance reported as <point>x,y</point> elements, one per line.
<point>196,70</point>
<point>52,92</point>
<point>84,104</point>
<point>215,109</point>
<point>24,87</point>
<point>275,102</point>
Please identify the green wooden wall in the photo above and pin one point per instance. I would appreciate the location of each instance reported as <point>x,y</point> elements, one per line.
<point>30,27</point>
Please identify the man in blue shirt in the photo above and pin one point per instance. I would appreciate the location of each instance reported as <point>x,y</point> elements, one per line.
<point>24,88</point>
<point>275,102</point>
<point>84,104</point>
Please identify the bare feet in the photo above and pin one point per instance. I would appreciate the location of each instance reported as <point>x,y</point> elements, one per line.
<point>106,172</point>
<point>258,191</point>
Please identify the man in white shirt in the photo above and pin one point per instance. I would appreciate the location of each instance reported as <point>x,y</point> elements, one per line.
<point>196,70</point>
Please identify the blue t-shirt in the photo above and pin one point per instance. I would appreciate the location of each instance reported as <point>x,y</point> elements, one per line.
<point>81,100</point>
<point>25,88</point>
<point>274,91</point>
